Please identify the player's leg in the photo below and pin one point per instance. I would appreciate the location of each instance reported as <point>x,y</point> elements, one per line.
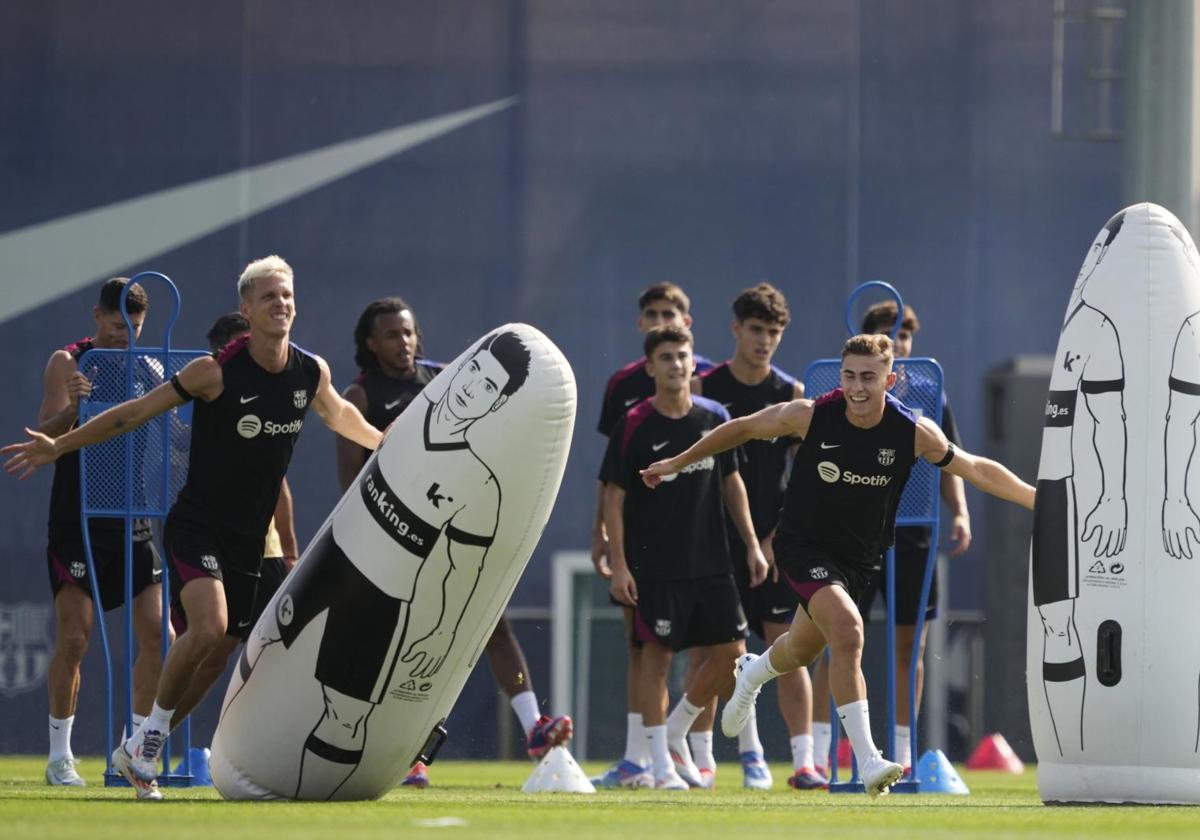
<point>910,562</point>
<point>147,627</point>
<point>700,738</point>
<point>795,696</point>
<point>73,616</point>
<point>511,671</point>
<point>633,770</point>
<point>655,665</point>
<point>822,728</point>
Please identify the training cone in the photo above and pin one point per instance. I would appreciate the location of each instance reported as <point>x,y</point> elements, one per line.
<point>994,753</point>
<point>201,777</point>
<point>845,754</point>
<point>937,775</point>
<point>558,773</point>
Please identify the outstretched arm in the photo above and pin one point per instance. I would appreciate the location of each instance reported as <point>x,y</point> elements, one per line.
<point>200,378</point>
<point>989,476</point>
<point>780,420</point>
<point>340,415</point>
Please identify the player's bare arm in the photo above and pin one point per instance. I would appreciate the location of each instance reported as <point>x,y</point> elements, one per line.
<point>340,415</point>
<point>200,378</point>
<point>600,536</point>
<point>738,505</point>
<point>351,456</point>
<point>285,525</point>
<point>988,475</point>
<point>622,585</point>
<point>789,419</point>
<point>62,387</point>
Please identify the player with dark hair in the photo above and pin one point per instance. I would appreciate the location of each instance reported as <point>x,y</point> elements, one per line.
<point>388,351</point>
<point>670,557</point>
<point>63,385</point>
<point>838,517</point>
<point>250,404</point>
<point>661,304</point>
<point>745,384</point>
<point>912,552</point>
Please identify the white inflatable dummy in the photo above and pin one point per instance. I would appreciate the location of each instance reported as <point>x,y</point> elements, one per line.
<point>1113,650</point>
<point>367,644</point>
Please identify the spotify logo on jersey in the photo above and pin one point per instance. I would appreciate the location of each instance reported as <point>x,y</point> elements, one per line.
<point>829,471</point>
<point>249,426</point>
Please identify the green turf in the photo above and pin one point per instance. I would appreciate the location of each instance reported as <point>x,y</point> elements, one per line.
<point>483,799</point>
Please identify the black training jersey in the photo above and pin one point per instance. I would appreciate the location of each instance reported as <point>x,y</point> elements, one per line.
<point>388,396</point>
<point>628,387</point>
<point>761,462</point>
<point>242,442</point>
<point>64,519</point>
<point>677,530</point>
<point>846,481</point>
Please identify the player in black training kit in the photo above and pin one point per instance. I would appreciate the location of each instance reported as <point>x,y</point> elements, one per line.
<point>838,518</point>
<point>388,351</point>
<point>663,304</point>
<point>669,551</point>
<point>250,406</point>
<point>746,384</point>
<point>63,386</point>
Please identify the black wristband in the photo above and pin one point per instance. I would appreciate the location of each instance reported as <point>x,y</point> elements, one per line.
<point>947,458</point>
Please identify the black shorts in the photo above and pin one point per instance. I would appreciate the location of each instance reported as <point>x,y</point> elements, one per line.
<point>771,601</point>
<point>66,563</point>
<point>1055,559</point>
<point>194,552</point>
<point>274,570</point>
<point>910,575</point>
<point>681,614</point>
<point>808,569</point>
<point>363,631</point>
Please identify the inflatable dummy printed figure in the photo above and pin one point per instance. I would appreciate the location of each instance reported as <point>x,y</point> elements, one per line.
<point>388,584</point>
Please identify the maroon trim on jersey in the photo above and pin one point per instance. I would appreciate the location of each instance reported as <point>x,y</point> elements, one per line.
<point>78,348</point>
<point>232,349</point>
<point>641,629</point>
<point>830,396</point>
<point>634,418</point>
<point>707,373</point>
<point>621,375</point>
<point>187,572</point>
<point>60,570</point>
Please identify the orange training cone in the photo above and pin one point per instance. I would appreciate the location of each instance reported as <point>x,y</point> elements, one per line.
<point>994,753</point>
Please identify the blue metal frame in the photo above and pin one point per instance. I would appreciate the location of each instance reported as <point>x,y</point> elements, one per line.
<point>182,776</point>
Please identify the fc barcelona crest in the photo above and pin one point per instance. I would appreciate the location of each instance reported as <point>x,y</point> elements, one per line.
<point>300,398</point>
<point>887,457</point>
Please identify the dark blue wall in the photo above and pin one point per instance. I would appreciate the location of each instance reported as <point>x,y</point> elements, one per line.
<point>812,144</point>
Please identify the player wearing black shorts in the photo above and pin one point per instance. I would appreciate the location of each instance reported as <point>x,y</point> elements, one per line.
<point>746,384</point>
<point>662,304</point>
<point>63,386</point>
<point>669,550</point>
<point>250,406</point>
<point>911,553</point>
<point>392,371</point>
<point>837,520</point>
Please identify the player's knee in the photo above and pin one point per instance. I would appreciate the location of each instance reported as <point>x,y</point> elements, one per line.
<point>71,644</point>
<point>206,634</point>
<point>846,636</point>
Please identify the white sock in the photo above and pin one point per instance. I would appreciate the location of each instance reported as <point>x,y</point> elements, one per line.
<point>137,721</point>
<point>822,741</point>
<point>660,756</point>
<point>681,719</point>
<point>636,749</point>
<point>856,720</point>
<point>802,752</point>
<point>159,720</point>
<point>525,705</point>
<point>760,671</point>
<point>702,754</point>
<point>748,738</point>
<point>60,737</point>
<point>903,754</point>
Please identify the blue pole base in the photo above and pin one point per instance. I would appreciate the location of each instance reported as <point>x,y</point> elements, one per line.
<point>177,778</point>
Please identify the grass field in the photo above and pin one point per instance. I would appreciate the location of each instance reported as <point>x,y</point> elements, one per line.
<point>484,799</point>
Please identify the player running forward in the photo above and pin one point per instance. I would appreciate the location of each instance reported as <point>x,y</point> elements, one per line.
<point>669,552</point>
<point>250,404</point>
<point>63,386</point>
<point>745,384</point>
<point>662,304</point>
<point>389,354</point>
<point>838,518</point>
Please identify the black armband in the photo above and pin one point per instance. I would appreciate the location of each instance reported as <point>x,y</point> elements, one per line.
<point>947,458</point>
<point>180,390</point>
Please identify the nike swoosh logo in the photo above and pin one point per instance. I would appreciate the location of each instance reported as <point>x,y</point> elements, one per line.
<point>392,404</point>
<point>779,610</point>
<point>51,259</point>
<point>829,445</point>
<point>244,400</point>
<point>631,401</point>
<point>728,406</point>
<point>657,446</point>
<point>742,626</point>
<point>242,624</point>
